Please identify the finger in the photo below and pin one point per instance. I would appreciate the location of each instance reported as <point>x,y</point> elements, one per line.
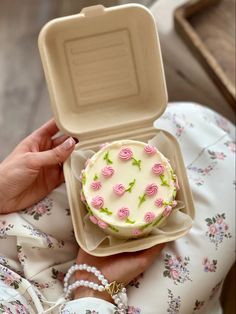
<point>57,155</point>
<point>153,251</point>
<point>48,129</point>
<point>42,135</point>
<point>148,256</point>
<point>59,140</point>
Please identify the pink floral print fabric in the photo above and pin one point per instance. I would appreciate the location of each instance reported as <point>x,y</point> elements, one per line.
<point>173,284</point>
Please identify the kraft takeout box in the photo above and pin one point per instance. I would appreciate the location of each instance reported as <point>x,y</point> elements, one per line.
<point>106,82</point>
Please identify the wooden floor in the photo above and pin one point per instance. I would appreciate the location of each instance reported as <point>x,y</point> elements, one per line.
<point>24,103</point>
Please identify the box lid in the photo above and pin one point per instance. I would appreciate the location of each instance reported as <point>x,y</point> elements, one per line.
<point>104,70</point>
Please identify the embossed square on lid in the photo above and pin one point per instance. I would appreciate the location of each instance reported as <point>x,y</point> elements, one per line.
<point>104,70</point>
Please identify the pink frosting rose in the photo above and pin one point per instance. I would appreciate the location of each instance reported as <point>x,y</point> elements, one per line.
<point>93,219</point>
<point>108,171</point>
<point>136,232</point>
<point>119,189</point>
<point>149,217</point>
<point>96,185</point>
<point>151,189</point>
<point>102,224</point>
<point>126,153</point>
<point>174,204</point>
<point>159,202</point>
<point>150,150</point>
<point>167,211</point>
<point>97,201</point>
<point>123,213</point>
<point>158,168</point>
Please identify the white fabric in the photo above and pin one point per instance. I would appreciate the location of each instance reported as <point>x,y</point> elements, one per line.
<point>11,301</point>
<point>88,306</point>
<point>186,278</point>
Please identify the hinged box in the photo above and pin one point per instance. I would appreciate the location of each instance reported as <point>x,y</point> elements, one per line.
<point>106,81</point>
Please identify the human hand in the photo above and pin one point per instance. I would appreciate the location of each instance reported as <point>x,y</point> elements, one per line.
<point>122,268</point>
<point>34,168</point>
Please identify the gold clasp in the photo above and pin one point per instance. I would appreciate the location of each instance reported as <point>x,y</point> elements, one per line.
<point>114,287</point>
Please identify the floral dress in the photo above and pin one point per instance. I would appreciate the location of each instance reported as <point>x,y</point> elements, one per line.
<point>186,278</point>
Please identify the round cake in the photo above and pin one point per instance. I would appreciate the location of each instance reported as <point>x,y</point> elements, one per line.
<point>128,188</point>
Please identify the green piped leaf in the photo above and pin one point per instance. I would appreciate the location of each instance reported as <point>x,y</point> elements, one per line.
<point>174,194</point>
<point>129,221</point>
<point>173,175</point>
<point>145,226</point>
<point>105,211</point>
<point>163,180</point>
<point>107,159</point>
<point>158,221</point>
<point>166,203</point>
<point>88,208</point>
<point>95,177</point>
<point>131,185</point>
<point>142,199</point>
<point>83,178</point>
<point>136,163</point>
<point>113,228</point>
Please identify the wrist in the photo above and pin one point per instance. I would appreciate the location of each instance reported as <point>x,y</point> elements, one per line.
<point>83,292</point>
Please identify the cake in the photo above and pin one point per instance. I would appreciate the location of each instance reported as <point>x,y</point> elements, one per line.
<point>129,188</point>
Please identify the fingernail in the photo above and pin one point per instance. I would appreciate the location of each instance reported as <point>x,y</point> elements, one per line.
<point>76,140</point>
<point>68,144</point>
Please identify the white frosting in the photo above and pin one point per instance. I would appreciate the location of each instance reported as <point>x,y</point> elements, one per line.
<point>130,174</point>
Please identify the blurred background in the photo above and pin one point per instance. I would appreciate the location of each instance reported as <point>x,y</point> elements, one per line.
<point>198,46</point>
<point>24,101</point>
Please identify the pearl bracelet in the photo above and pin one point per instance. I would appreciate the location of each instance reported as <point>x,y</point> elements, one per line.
<point>116,290</point>
<point>82,267</point>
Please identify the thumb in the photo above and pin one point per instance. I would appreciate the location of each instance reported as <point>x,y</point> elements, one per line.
<point>56,155</point>
<point>152,252</point>
<point>148,256</point>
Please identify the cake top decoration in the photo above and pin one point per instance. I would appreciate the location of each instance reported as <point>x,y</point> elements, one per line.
<point>128,185</point>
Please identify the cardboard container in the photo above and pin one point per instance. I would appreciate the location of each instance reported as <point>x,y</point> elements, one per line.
<point>105,78</point>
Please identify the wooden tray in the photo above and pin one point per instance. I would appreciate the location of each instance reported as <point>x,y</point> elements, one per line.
<point>208,27</point>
